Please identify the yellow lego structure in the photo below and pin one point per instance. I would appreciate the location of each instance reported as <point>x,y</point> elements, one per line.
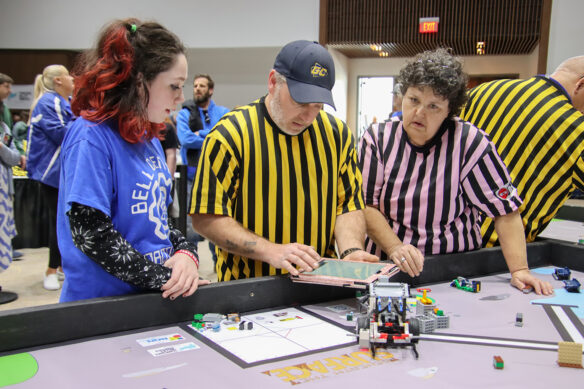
<point>570,354</point>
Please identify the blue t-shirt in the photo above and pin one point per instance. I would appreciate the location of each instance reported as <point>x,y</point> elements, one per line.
<point>128,182</point>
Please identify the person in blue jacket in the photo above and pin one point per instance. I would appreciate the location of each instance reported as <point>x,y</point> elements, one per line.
<point>115,186</point>
<point>196,119</point>
<point>50,114</point>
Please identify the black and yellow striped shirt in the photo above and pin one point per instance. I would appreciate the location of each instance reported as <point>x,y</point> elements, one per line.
<point>540,137</point>
<point>284,188</point>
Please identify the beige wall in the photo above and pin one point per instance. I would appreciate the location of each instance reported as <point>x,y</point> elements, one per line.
<point>74,24</point>
<point>240,74</point>
<point>566,32</point>
<point>341,88</point>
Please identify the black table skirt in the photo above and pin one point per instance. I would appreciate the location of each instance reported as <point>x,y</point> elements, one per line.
<point>30,215</point>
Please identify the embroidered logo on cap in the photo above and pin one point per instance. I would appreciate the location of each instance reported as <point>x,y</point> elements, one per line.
<point>506,191</point>
<point>317,70</point>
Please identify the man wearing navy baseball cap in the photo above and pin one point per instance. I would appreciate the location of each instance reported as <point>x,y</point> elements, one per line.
<point>309,71</point>
<point>278,184</point>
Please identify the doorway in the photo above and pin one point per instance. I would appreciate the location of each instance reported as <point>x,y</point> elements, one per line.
<point>375,98</point>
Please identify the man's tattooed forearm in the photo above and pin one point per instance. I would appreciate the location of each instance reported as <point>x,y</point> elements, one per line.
<point>248,247</point>
<point>229,245</point>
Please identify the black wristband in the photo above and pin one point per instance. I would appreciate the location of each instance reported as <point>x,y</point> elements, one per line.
<point>349,251</point>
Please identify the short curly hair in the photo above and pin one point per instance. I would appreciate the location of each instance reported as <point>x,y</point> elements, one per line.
<point>442,72</point>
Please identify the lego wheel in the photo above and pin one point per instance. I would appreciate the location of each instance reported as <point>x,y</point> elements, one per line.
<point>414,326</point>
<point>362,322</point>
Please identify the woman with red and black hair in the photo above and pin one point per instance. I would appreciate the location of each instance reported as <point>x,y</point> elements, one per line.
<point>113,228</point>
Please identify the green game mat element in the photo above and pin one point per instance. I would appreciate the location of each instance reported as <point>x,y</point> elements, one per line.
<point>357,271</point>
<point>17,368</point>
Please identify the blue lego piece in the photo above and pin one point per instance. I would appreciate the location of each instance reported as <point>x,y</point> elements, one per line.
<point>561,273</point>
<point>476,286</point>
<point>572,286</point>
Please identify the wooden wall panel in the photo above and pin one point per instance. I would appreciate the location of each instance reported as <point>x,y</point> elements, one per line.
<point>506,26</point>
<point>24,65</point>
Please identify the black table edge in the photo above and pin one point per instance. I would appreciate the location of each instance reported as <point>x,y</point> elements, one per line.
<point>42,325</point>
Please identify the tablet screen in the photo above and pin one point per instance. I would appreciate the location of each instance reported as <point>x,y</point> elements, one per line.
<point>351,274</point>
<point>346,269</point>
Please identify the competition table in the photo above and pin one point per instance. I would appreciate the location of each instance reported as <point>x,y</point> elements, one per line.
<point>94,343</point>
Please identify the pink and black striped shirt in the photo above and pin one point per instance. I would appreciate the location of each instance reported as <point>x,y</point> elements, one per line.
<point>433,196</point>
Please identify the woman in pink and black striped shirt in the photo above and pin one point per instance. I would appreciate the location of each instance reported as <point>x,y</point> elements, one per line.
<point>429,176</point>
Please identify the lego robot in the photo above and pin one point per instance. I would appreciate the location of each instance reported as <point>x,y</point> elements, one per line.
<point>384,322</point>
<point>464,284</point>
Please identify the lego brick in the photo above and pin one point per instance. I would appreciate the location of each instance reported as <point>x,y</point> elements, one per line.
<point>570,354</point>
<point>427,324</point>
<point>441,321</point>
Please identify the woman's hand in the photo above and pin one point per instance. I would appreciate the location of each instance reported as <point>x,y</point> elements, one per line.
<point>408,258</point>
<point>184,279</point>
<point>522,279</point>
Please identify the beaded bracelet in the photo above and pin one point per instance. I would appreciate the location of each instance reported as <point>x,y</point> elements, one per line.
<point>190,255</point>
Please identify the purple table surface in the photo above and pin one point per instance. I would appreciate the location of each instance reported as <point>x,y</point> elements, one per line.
<point>119,361</point>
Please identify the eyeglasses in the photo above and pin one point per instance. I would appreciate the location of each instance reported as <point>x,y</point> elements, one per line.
<point>207,117</point>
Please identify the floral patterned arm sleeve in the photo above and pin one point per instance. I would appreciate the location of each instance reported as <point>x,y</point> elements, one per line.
<point>94,234</point>
<point>179,242</point>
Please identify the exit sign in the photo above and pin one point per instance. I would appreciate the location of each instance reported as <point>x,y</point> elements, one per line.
<point>429,25</point>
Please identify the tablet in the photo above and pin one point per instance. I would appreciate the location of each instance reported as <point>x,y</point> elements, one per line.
<point>352,274</point>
